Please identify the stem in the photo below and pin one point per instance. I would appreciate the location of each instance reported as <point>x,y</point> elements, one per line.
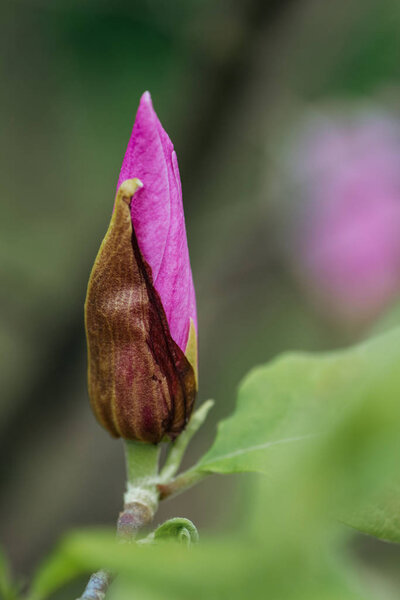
<point>181,483</point>
<point>97,586</point>
<point>141,497</point>
<point>177,451</point>
<point>140,504</point>
<point>141,461</point>
<point>145,488</point>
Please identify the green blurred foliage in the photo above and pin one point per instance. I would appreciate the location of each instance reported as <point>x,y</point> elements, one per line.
<point>290,543</point>
<point>8,589</point>
<point>297,396</point>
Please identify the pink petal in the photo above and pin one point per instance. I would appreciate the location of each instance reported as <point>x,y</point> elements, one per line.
<point>158,218</point>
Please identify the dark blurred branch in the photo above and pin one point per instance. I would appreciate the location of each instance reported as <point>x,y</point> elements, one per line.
<point>226,80</point>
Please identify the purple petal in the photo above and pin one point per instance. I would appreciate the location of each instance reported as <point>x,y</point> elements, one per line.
<point>158,218</point>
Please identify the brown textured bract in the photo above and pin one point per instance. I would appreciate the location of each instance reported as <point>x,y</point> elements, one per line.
<point>141,385</point>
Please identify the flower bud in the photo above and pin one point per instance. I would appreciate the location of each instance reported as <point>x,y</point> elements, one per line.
<point>140,309</point>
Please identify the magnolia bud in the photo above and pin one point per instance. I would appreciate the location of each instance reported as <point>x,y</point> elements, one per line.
<point>140,309</point>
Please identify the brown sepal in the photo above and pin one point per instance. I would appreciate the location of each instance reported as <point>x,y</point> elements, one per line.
<point>141,385</point>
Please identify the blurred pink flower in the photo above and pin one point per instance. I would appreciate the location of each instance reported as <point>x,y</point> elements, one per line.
<point>350,238</point>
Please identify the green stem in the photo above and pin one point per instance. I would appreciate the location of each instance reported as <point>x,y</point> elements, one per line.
<point>178,449</point>
<point>141,496</point>
<point>181,483</point>
<point>141,462</point>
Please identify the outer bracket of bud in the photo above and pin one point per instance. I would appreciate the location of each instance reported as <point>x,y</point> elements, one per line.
<point>141,384</point>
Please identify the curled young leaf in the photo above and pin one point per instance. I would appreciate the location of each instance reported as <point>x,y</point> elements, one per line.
<point>179,529</point>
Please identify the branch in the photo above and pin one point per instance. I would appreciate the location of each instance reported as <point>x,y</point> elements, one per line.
<point>178,449</point>
<point>97,586</point>
<point>181,483</point>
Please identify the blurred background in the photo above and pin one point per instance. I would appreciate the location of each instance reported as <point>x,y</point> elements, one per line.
<point>284,116</point>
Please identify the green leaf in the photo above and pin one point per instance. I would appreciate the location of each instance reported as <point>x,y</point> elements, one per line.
<point>339,407</point>
<point>179,529</point>
<point>57,570</point>
<point>216,568</point>
<point>380,518</point>
<point>8,590</point>
<point>289,400</point>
